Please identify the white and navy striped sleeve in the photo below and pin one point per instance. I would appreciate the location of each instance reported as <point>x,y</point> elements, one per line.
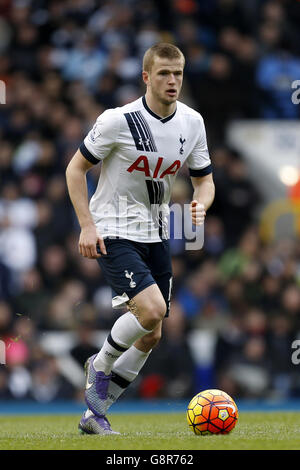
<point>101,139</point>
<point>198,161</point>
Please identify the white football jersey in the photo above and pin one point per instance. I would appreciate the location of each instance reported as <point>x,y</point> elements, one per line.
<point>141,154</point>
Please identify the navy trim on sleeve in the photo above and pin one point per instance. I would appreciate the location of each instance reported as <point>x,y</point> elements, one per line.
<point>87,154</point>
<point>202,172</point>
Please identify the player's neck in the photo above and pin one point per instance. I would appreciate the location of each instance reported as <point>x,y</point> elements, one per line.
<point>161,109</point>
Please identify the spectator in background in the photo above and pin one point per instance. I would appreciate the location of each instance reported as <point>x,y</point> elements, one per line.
<point>250,371</point>
<point>33,299</point>
<point>237,197</point>
<point>6,282</point>
<point>4,390</point>
<point>62,307</point>
<point>280,339</point>
<point>216,94</point>
<point>85,346</point>
<point>214,236</point>
<point>84,62</point>
<point>290,303</point>
<point>6,318</point>
<point>47,383</point>
<point>275,74</point>
<point>235,260</point>
<point>277,66</point>
<point>17,361</point>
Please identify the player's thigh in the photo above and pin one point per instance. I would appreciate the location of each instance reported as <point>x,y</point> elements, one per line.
<point>125,269</point>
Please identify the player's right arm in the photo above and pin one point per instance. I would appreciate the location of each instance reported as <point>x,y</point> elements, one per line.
<point>77,187</point>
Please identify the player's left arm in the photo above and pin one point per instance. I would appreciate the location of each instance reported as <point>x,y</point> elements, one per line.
<point>204,194</point>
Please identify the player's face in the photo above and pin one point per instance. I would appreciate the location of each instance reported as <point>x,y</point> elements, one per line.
<point>165,79</point>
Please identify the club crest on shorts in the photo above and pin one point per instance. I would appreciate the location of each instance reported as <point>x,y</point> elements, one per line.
<point>129,276</point>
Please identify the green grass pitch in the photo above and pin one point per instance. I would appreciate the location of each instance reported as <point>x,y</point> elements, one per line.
<point>262,431</point>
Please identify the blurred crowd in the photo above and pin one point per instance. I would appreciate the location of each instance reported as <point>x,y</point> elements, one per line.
<point>64,63</point>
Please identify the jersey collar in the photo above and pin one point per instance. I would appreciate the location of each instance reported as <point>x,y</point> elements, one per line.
<point>163,120</point>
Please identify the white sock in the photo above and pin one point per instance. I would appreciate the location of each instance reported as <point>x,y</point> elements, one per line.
<point>126,367</point>
<point>125,331</point>
<point>130,363</point>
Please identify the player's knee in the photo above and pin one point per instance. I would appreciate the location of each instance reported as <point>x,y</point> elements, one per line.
<point>152,339</point>
<point>154,313</point>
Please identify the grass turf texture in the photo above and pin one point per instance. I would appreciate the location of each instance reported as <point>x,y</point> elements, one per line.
<point>267,431</point>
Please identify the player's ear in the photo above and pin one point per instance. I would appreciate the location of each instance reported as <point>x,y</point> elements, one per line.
<point>145,76</point>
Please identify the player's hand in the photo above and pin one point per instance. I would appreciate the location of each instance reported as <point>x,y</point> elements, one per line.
<point>88,241</point>
<point>197,212</point>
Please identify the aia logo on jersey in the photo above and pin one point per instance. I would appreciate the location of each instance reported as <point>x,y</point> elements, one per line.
<point>142,164</point>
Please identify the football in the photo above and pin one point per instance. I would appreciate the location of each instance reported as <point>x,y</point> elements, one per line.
<point>212,412</point>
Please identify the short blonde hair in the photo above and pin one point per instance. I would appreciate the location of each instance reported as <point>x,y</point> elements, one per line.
<point>163,50</point>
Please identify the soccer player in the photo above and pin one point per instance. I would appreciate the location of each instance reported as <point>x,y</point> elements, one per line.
<point>141,146</point>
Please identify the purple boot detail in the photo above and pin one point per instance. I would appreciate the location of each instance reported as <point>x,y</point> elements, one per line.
<point>96,388</point>
<point>95,425</point>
